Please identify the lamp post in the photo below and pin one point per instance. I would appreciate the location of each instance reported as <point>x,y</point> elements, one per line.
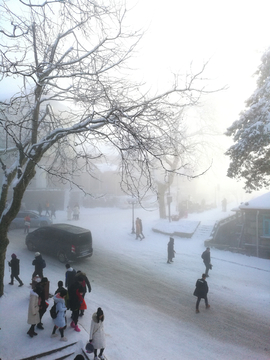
<point>132,201</point>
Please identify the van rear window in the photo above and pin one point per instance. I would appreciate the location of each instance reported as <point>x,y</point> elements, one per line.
<point>83,239</point>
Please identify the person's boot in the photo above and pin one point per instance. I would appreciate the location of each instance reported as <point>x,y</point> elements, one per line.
<point>30,333</point>
<point>39,326</point>
<point>72,324</point>
<point>77,328</point>
<point>21,284</point>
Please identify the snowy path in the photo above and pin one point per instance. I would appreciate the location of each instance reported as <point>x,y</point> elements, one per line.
<point>148,304</point>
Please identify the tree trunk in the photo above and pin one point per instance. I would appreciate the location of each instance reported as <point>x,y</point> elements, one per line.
<point>161,200</point>
<point>3,249</point>
<point>18,192</point>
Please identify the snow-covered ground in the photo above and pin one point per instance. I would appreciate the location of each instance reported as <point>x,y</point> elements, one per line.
<point>148,304</point>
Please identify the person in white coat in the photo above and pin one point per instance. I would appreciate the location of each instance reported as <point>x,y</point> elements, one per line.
<point>60,320</point>
<point>33,313</point>
<point>97,335</point>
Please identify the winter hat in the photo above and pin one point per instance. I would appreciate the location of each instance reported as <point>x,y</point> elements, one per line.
<point>79,357</point>
<point>13,256</point>
<point>63,293</point>
<point>99,312</point>
<point>37,254</point>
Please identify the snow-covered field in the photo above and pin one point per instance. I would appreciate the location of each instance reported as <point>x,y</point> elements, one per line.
<point>148,304</point>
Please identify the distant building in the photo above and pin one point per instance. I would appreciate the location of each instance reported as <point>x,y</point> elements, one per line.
<point>248,231</point>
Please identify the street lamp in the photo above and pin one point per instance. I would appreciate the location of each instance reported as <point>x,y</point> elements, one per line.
<point>132,201</point>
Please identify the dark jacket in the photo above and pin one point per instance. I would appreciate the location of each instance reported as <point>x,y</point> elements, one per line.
<point>86,283</point>
<point>41,293</point>
<point>206,257</point>
<point>39,264</point>
<point>14,263</point>
<point>74,298</point>
<point>201,289</point>
<point>171,249</point>
<point>59,289</point>
<point>70,277</point>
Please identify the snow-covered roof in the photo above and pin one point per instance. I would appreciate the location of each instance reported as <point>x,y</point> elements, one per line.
<point>260,203</point>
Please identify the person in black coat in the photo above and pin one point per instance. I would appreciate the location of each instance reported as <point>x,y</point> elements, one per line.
<point>40,290</point>
<point>39,264</point>
<point>171,251</point>
<point>69,276</point>
<point>207,260</point>
<point>75,293</point>
<point>60,287</point>
<point>201,291</point>
<point>14,263</point>
<point>85,284</point>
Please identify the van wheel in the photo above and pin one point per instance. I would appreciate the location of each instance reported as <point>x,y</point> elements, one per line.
<point>62,257</point>
<point>30,246</point>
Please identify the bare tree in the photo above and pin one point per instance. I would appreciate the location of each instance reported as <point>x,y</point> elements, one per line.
<point>69,62</point>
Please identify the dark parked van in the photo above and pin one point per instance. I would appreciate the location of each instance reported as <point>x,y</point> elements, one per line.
<point>65,241</point>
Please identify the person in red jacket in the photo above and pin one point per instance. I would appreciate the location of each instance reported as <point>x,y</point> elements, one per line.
<point>27,223</point>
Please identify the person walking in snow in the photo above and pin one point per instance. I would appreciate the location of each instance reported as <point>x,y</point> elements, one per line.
<point>85,284</point>
<point>171,251</point>
<point>33,313</point>
<point>201,291</point>
<point>138,225</point>
<point>47,208</point>
<point>60,287</point>
<point>40,290</point>
<point>39,209</point>
<point>69,280</point>
<point>75,293</point>
<point>53,211</point>
<point>207,260</point>
<point>60,320</point>
<point>76,212</point>
<point>14,263</point>
<point>97,334</point>
<point>27,223</point>
<point>69,276</point>
<point>69,213</point>
<point>39,264</point>
<point>141,229</point>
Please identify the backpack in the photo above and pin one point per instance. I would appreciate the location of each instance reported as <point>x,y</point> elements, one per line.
<point>53,311</point>
<point>43,263</point>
